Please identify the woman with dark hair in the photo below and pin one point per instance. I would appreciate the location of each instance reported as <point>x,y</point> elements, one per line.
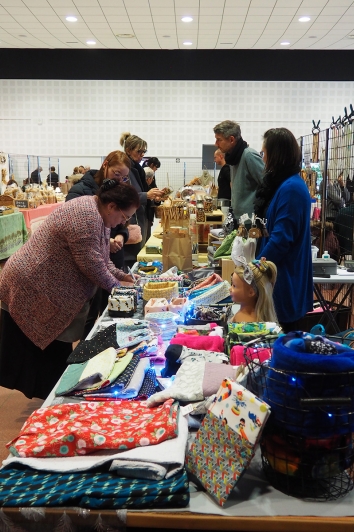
<point>284,200</point>
<point>40,318</point>
<point>135,148</point>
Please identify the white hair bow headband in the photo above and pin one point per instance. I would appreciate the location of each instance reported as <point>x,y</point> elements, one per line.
<point>247,272</point>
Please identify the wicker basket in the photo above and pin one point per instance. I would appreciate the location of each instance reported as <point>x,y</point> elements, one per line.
<point>166,289</point>
<point>6,201</point>
<point>158,211</point>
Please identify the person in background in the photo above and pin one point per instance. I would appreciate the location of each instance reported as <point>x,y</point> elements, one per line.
<point>41,317</point>
<point>81,169</point>
<point>53,178</point>
<point>224,182</point>
<point>35,176</point>
<point>284,200</point>
<point>12,183</point>
<point>135,148</point>
<point>115,166</point>
<point>337,197</point>
<point>246,166</point>
<point>76,170</point>
<point>151,164</point>
<point>87,168</point>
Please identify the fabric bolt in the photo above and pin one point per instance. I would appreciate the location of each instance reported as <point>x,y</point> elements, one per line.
<point>79,428</point>
<point>148,386</point>
<point>214,374</point>
<point>92,489</point>
<point>122,381</point>
<point>210,343</point>
<point>135,384</point>
<point>168,454</point>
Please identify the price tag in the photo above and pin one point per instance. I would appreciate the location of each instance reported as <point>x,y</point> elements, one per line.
<point>185,410</point>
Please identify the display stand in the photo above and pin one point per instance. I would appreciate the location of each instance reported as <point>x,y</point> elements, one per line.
<point>211,218</point>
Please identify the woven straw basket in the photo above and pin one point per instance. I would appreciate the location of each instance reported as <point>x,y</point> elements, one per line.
<point>167,289</point>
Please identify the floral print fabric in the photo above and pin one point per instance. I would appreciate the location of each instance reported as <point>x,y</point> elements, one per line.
<point>85,427</point>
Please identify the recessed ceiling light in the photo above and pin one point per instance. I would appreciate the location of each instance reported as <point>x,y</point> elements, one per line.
<point>187,43</point>
<point>71,42</point>
<point>71,19</point>
<point>225,42</point>
<point>186,19</point>
<point>166,36</point>
<point>91,42</point>
<point>351,36</point>
<point>125,35</point>
<point>22,35</point>
<point>304,19</point>
<point>285,43</point>
<point>312,36</point>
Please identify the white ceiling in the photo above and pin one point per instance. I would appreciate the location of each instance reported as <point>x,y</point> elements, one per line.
<point>156,24</point>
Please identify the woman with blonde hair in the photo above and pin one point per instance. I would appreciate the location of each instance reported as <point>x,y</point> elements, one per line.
<point>135,148</point>
<point>252,289</point>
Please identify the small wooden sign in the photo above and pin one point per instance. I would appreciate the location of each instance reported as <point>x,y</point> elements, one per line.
<point>21,204</point>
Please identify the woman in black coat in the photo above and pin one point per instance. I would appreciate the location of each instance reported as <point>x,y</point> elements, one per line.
<point>135,148</point>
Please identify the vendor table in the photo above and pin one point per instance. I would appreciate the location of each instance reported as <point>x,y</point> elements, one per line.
<point>341,287</point>
<point>254,505</point>
<point>34,217</point>
<point>13,234</point>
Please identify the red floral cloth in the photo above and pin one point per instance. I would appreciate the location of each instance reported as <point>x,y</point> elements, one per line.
<point>82,428</point>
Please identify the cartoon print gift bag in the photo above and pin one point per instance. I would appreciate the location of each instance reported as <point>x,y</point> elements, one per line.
<point>226,440</point>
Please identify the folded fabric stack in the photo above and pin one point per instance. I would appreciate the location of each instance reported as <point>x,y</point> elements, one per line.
<point>163,323</point>
<point>139,464</point>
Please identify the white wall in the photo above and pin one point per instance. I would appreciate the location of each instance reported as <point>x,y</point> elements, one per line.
<point>82,119</point>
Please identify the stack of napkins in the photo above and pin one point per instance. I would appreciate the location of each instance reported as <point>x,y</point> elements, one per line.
<point>163,323</point>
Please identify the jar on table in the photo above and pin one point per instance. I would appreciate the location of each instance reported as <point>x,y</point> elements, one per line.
<point>200,211</point>
<point>208,204</point>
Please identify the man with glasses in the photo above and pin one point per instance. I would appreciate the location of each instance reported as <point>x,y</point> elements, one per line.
<point>246,166</point>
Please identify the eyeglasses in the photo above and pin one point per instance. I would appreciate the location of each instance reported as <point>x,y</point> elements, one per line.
<point>118,175</point>
<point>125,217</point>
<point>141,152</point>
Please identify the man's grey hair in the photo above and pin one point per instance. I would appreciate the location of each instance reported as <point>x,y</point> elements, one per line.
<point>228,128</point>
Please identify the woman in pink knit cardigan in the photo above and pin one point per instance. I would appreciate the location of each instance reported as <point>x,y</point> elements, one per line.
<point>46,286</point>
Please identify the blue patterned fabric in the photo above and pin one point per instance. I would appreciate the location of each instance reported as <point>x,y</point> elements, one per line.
<point>148,387</point>
<point>25,487</point>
